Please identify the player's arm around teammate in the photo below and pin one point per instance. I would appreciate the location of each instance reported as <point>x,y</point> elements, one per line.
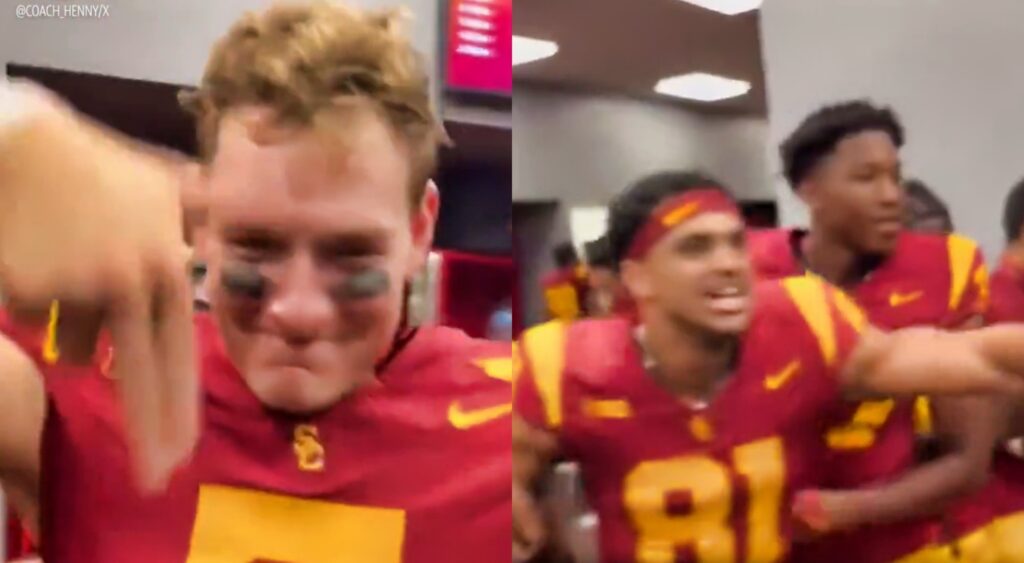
<point>965,428</point>
<point>934,361</point>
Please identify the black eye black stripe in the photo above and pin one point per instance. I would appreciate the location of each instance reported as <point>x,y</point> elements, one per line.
<point>243,280</point>
<point>363,285</point>
<point>246,281</point>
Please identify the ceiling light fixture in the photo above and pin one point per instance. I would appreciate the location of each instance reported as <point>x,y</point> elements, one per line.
<point>527,50</point>
<point>727,7</point>
<point>702,87</point>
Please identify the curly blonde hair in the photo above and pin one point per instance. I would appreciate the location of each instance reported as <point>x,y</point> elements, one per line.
<point>303,60</point>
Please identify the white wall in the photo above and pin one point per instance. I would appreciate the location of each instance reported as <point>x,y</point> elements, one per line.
<point>734,151</point>
<point>584,149</point>
<point>951,69</point>
<point>160,40</point>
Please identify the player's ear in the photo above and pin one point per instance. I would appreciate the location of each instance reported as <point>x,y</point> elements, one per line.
<point>636,279</point>
<point>424,219</point>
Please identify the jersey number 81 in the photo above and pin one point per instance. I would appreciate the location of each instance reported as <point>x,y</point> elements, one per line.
<point>705,527</point>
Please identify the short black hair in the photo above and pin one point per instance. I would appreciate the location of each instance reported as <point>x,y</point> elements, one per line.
<point>923,204</point>
<point>564,255</point>
<point>633,207</point>
<point>598,253</point>
<point>819,133</point>
<point>1013,212</point>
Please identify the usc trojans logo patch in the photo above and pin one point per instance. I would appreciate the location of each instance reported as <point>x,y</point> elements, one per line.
<point>308,451</point>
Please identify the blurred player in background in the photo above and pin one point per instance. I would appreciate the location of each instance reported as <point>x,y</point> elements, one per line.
<point>1008,277</point>
<point>566,287</point>
<point>1008,297</point>
<point>694,428</point>
<point>612,297</point>
<point>843,161</point>
<point>926,213</point>
<point>601,277</point>
<point>330,431</point>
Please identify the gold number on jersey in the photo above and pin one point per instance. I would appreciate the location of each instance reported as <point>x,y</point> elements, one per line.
<point>707,485</point>
<point>861,431</point>
<point>238,526</point>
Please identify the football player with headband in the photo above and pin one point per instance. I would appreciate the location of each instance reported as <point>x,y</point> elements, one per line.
<point>694,427</point>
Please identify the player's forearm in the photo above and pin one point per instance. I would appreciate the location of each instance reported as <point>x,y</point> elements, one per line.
<point>936,362</point>
<point>1002,346</point>
<point>532,453</point>
<point>529,463</point>
<point>924,491</point>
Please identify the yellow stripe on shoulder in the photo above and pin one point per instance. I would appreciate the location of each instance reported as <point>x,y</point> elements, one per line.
<point>51,352</point>
<point>851,311</point>
<point>811,299</point>
<point>544,348</point>
<point>502,368</point>
<point>962,251</point>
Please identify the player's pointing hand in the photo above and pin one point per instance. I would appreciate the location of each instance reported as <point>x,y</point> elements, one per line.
<point>89,219</point>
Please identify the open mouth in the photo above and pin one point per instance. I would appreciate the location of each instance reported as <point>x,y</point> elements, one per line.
<point>888,226</point>
<point>728,300</point>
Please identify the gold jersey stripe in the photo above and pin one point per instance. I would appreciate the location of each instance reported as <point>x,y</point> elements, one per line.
<point>544,347</point>
<point>809,295</point>
<point>961,257</point>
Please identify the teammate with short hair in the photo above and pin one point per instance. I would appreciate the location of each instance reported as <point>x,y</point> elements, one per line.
<point>843,160</point>
<point>926,212</point>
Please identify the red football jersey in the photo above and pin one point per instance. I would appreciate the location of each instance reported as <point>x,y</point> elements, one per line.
<point>565,292</point>
<point>1007,292</point>
<point>415,469</point>
<point>930,280</point>
<point>675,483</point>
<point>994,516</point>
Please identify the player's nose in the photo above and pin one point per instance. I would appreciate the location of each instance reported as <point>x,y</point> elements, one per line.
<point>890,192</point>
<point>729,260</point>
<point>299,308</point>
